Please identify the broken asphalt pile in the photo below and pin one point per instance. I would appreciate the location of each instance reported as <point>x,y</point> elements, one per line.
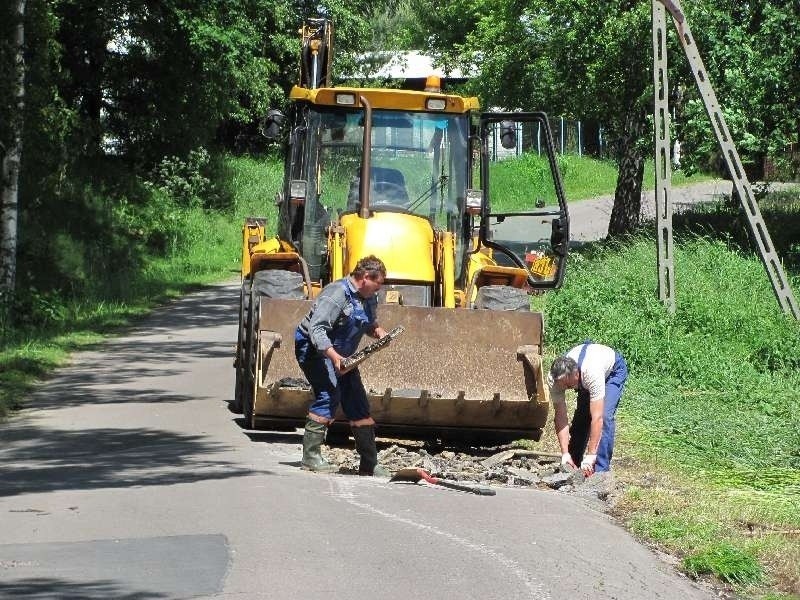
<point>508,467</point>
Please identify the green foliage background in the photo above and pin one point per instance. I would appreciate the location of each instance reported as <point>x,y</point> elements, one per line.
<point>717,381</point>
<point>141,158</point>
<point>130,104</point>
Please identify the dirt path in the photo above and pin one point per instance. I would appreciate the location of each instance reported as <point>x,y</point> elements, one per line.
<point>589,218</point>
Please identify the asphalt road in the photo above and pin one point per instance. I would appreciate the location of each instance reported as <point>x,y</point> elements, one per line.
<point>126,477</point>
<point>589,218</point>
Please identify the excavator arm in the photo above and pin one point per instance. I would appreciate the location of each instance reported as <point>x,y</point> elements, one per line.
<point>316,53</point>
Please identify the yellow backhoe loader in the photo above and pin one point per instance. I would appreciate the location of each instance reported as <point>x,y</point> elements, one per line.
<point>405,175</point>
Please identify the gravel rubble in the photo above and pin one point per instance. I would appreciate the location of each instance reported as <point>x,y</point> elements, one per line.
<point>502,466</point>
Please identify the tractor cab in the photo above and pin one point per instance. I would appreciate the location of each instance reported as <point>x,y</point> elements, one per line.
<point>426,164</point>
<point>523,219</point>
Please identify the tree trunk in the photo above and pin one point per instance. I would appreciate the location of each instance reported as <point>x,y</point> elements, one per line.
<point>628,194</point>
<point>11,163</point>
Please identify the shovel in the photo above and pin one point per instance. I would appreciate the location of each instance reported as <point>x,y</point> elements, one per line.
<point>415,474</point>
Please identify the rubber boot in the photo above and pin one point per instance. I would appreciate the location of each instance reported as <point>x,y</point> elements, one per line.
<point>312,455</point>
<point>368,451</point>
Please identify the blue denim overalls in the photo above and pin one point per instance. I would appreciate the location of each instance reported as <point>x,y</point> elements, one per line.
<point>330,389</point>
<point>581,420</point>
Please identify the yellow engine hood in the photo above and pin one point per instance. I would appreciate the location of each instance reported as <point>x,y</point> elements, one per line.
<point>404,243</point>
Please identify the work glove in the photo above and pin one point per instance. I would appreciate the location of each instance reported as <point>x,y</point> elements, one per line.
<point>587,464</point>
<point>566,460</point>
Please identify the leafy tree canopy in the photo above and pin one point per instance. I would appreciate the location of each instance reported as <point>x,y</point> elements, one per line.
<point>752,52</point>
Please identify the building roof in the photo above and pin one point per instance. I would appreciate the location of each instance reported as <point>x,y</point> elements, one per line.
<point>412,65</point>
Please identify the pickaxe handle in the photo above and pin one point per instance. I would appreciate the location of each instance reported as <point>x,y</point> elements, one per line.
<point>481,491</point>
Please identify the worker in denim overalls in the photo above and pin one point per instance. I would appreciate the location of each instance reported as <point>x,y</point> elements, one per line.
<point>342,313</point>
<point>598,373</point>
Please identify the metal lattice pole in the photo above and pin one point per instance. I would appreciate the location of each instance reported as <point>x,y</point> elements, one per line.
<point>663,166</point>
<point>741,185</point>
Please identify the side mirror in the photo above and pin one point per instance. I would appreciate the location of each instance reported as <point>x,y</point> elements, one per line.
<point>558,237</point>
<point>272,124</point>
<point>508,134</point>
<point>474,201</point>
<point>298,191</point>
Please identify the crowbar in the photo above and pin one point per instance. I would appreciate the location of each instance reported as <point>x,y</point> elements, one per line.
<point>416,474</point>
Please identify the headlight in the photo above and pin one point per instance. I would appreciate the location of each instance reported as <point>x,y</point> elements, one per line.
<point>345,99</point>
<point>435,103</point>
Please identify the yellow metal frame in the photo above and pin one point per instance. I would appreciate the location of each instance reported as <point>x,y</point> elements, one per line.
<point>382,98</point>
<point>336,247</point>
<point>447,262</point>
<point>253,236</point>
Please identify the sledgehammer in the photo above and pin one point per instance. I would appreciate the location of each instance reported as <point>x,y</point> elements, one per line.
<point>414,474</point>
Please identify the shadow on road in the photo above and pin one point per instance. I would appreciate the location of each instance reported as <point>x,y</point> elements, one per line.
<point>177,566</point>
<point>121,369</point>
<point>126,365</point>
<point>44,460</point>
<point>213,306</point>
<point>49,588</point>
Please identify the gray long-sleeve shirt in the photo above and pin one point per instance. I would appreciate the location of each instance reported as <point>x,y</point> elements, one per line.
<point>326,311</point>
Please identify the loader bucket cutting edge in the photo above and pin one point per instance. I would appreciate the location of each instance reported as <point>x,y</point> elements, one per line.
<point>452,369</point>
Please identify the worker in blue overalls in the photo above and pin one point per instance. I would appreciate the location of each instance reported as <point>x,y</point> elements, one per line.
<point>342,313</point>
<point>598,373</point>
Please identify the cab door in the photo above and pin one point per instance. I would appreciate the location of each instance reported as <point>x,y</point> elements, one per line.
<point>524,218</point>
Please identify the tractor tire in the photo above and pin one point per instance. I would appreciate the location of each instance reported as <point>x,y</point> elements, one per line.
<point>270,283</point>
<point>241,345</point>
<point>502,297</point>
<point>276,283</point>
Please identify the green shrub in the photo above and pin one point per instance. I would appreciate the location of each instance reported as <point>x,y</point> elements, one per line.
<point>182,179</point>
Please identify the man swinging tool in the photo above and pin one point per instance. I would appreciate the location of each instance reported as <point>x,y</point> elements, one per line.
<point>342,313</point>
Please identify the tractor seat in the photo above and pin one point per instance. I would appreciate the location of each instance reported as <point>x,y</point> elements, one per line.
<point>387,188</point>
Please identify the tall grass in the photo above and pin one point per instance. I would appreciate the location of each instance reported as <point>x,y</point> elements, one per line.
<point>709,424</point>
<point>719,380</point>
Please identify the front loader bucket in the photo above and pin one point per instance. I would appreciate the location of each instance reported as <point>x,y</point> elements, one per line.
<point>471,375</point>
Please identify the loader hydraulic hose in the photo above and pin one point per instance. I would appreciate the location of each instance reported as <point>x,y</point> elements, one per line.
<point>448,270</point>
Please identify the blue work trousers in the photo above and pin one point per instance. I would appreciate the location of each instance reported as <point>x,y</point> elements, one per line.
<point>330,389</point>
<point>581,421</point>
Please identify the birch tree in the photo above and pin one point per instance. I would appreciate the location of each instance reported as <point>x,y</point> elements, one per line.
<point>12,156</point>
